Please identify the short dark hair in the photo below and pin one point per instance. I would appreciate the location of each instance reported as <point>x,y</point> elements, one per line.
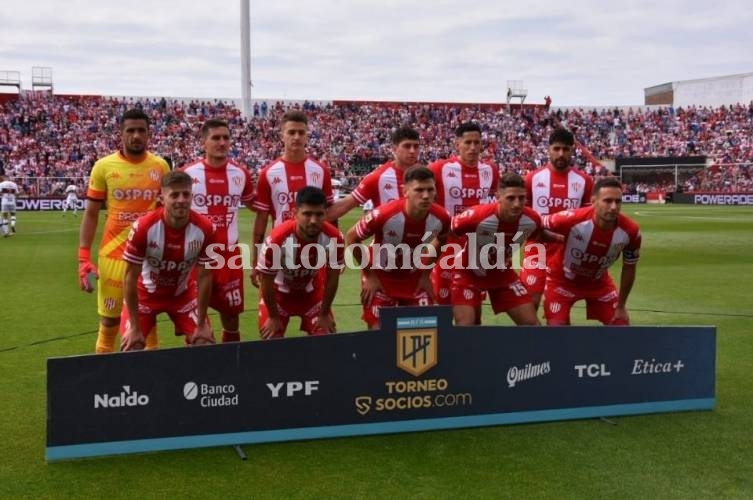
<point>134,114</point>
<point>294,116</point>
<point>212,123</point>
<point>606,182</point>
<point>562,135</point>
<point>311,195</point>
<point>404,133</point>
<point>417,173</point>
<point>511,179</point>
<point>176,178</point>
<point>467,127</point>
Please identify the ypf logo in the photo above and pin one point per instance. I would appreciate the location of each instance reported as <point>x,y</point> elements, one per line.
<point>417,350</point>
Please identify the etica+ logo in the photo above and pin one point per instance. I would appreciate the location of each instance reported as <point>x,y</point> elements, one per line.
<point>126,398</point>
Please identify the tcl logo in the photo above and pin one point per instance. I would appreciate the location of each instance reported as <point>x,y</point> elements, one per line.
<point>592,370</point>
<point>292,389</point>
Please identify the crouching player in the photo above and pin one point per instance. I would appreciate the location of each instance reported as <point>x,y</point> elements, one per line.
<point>163,248</point>
<point>595,237</point>
<point>485,265</point>
<point>290,260</point>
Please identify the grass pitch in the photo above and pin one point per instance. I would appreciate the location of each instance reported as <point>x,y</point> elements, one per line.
<point>695,269</point>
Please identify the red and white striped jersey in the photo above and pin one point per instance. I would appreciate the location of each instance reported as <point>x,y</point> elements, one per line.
<point>550,191</point>
<point>218,193</point>
<point>166,255</point>
<point>380,186</point>
<point>294,262</point>
<point>588,251</point>
<point>280,181</point>
<point>460,187</point>
<point>396,233</point>
<point>485,230</point>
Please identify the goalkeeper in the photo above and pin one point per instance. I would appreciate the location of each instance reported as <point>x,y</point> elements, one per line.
<point>128,181</point>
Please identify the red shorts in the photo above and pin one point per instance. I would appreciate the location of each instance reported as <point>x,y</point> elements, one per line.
<point>371,311</point>
<point>508,294</point>
<point>227,290</point>
<point>441,276</point>
<point>601,301</point>
<point>182,311</point>
<point>306,306</point>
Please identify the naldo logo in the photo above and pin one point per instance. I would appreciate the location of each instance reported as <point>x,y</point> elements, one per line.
<point>126,398</point>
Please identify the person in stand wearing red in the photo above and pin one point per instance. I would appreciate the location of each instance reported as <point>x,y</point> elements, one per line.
<point>485,262</point>
<point>161,252</point>
<point>595,237</point>
<point>554,187</point>
<point>463,181</point>
<point>220,186</point>
<point>391,276</point>
<point>385,183</point>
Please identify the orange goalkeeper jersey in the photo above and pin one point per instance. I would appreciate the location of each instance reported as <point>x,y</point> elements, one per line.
<point>130,190</point>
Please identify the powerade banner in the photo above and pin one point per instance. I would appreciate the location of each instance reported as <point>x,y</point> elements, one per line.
<point>418,373</point>
<point>713,198</point>
<point>44,204</point>
<point>634,198</point>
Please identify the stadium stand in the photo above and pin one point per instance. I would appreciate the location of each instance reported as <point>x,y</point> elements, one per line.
<point>47,140</point>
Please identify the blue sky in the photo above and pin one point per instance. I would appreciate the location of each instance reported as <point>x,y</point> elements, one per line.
<point>580,52</point>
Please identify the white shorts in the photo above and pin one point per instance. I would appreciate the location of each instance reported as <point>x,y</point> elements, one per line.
<point>8,207</point>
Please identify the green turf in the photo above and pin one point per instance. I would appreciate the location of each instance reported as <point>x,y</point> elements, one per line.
<point>695,269</point>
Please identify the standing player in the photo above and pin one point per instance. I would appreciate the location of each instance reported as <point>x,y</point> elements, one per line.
<point>385,183</point>
<point>129,182</point>
<point>594,238</point>
<point>463,181</point>
<point>280,181</point>
<point>390,276</point>
<point>484,265</point>
<point>71,199</point>
<point>552,188</point>
<point>219,188</point>
<point>163,248</point>
<point>9,190</point>
<point>291,260</point>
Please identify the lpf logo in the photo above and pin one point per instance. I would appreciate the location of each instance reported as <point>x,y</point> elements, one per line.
<point>417,350</point>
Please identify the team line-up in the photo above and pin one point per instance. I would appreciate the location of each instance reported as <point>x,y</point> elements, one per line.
<point>444,233</point>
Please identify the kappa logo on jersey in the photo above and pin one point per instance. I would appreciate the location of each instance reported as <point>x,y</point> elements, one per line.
<point>276,180</point>
<point>155,175</point>
<point>153,244</point>
<point>540,185</point>
<point>388,187</point>
<point>391,233</point>
<point>451,174</point>
<point>111,175</point>
<point>579,237</point>
<point>196,180</point>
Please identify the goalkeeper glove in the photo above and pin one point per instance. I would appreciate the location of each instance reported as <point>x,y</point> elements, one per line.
<point>87,272</point>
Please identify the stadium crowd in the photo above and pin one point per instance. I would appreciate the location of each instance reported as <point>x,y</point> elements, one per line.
<point>59,137</point>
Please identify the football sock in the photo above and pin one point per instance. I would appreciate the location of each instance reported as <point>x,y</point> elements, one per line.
<point>106,339</point>
<point>230,336</point>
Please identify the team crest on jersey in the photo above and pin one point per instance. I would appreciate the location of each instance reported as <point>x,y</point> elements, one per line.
<point>194,246</point>
<point>575,186</point>
<point>555,307</point>
<point>238,181</point>
<point>154,175</point>
<point>316,178</point>
<point>109,303</point>
<point>485,175</point>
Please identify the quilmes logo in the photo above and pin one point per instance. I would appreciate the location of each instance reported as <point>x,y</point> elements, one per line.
<point>518,374</point>
<point>417,350</point>
<point>124,399</point>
